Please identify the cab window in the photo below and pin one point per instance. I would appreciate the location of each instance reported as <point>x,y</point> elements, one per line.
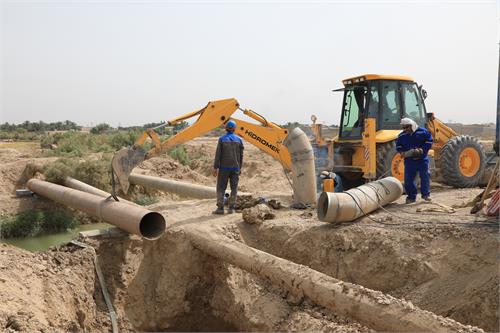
<point>353,112</point>
<point>414,106</point>
<point>373,100</point>
<point>391,104</point>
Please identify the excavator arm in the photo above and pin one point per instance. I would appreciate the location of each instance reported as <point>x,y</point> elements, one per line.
<point>267,136</point>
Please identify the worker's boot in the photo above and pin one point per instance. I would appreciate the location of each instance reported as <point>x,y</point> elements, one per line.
<point>427,198</point>
<point>231,210</point>
<point>218,211</point>
<point>410,200</point>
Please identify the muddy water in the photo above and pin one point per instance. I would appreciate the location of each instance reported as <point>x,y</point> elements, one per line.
<point>43,242</point>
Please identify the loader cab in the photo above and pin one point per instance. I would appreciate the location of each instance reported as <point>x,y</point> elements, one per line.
<point>385,98</point>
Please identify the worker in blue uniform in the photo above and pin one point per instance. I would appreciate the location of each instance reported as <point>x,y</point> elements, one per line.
<point>413,143</point>
<point>227,167</point>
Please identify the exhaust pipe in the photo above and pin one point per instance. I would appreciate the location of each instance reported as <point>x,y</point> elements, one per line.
<point>358,201</point>
<point>133,219</point>
<point>303,172</point>
<point>173,186</point>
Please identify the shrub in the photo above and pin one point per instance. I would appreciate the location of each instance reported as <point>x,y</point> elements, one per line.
<point>55,172</point>
<point>32,223</point>
<point>180,154</point>
<point>58,220</point>
<point>123,139</point>
<point>25,224</point>
<point>146,200</point>
<point>92,172</point>
<point>100,128</point>
<point>95,173</point>
<point>46,141</point>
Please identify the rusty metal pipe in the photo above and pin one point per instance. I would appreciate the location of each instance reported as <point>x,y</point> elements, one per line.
<point>173,186</point>
<point>133,219</point>
<point>84,187</point>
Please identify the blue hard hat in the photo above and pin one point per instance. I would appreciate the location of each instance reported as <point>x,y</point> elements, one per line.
<point>231,124</point>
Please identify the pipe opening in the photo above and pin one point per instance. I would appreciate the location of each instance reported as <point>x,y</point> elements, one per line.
<point>152,225</point>
<point>323,204</point>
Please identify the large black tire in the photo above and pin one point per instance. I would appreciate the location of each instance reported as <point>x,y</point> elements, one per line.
<point>451,153</point>
<point>385,156</point>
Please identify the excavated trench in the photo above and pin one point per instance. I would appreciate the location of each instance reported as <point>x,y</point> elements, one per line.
<point>169,285</point>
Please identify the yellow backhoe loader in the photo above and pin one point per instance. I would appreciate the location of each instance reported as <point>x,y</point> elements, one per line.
<point>365,148</point>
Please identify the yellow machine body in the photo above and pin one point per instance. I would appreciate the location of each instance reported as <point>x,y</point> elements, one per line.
<point>371,148</point>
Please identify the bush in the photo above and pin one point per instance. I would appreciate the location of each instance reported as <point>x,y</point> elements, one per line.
<point>46,141</point>
<point>32,223</point>
<point>55,172</point>
<point>95,173</point>
<point>100,128</point>
<point>76,144</point>
<point>92,172</point>
<point>25,224</point>
<point>180,154</point>
<point>59,220</point>
<point>123,139</point>
<point>146,200</point>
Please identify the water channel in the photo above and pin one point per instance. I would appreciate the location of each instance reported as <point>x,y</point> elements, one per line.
<point>43,242</point>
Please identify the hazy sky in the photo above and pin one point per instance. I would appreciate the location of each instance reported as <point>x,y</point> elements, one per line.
<point>133,62</point>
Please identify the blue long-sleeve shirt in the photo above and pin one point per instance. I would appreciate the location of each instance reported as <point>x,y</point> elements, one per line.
<point>229,153</point>
<point>421,138</point>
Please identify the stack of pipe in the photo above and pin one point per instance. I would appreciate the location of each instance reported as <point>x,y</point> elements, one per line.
<point>131,218</point>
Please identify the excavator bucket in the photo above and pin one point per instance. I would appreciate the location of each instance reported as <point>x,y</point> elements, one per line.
<point>124,162</point>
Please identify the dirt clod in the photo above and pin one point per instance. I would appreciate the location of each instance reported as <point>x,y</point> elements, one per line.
<point>257,214</point>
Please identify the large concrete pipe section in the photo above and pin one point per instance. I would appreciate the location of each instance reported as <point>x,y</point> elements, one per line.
<point>369,307</point>
<point>303,173</point>
<point>358,201</point>
<point>133,219</point>
<point>173,186</point>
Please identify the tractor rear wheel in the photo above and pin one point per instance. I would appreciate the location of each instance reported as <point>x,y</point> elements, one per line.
<point>462,161</point>
<point>389,162</point>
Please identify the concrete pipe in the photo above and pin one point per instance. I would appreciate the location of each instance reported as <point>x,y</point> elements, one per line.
<point>303,173</point>
<point>133,219</point>
<point>173,186</point>
<point>358,201</point>
<point>372,308</point>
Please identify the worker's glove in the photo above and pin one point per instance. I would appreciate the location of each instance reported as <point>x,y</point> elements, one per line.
<point>416,152</point>
<point>327,175</point>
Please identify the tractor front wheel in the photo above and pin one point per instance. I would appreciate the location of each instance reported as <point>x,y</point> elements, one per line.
<point>462,161</point>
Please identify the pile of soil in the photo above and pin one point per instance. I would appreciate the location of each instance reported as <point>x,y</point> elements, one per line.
<point>49,291</point>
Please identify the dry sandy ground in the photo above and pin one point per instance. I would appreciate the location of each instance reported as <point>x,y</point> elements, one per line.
<point>445,263</point>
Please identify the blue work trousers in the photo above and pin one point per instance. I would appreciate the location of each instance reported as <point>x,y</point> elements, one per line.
<point>411,168</point>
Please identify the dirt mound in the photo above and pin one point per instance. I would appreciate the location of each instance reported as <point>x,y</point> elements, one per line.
<point>257,214</point>
<point>49,291</point>
<point>169,168</point>
<point>10,171</point>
